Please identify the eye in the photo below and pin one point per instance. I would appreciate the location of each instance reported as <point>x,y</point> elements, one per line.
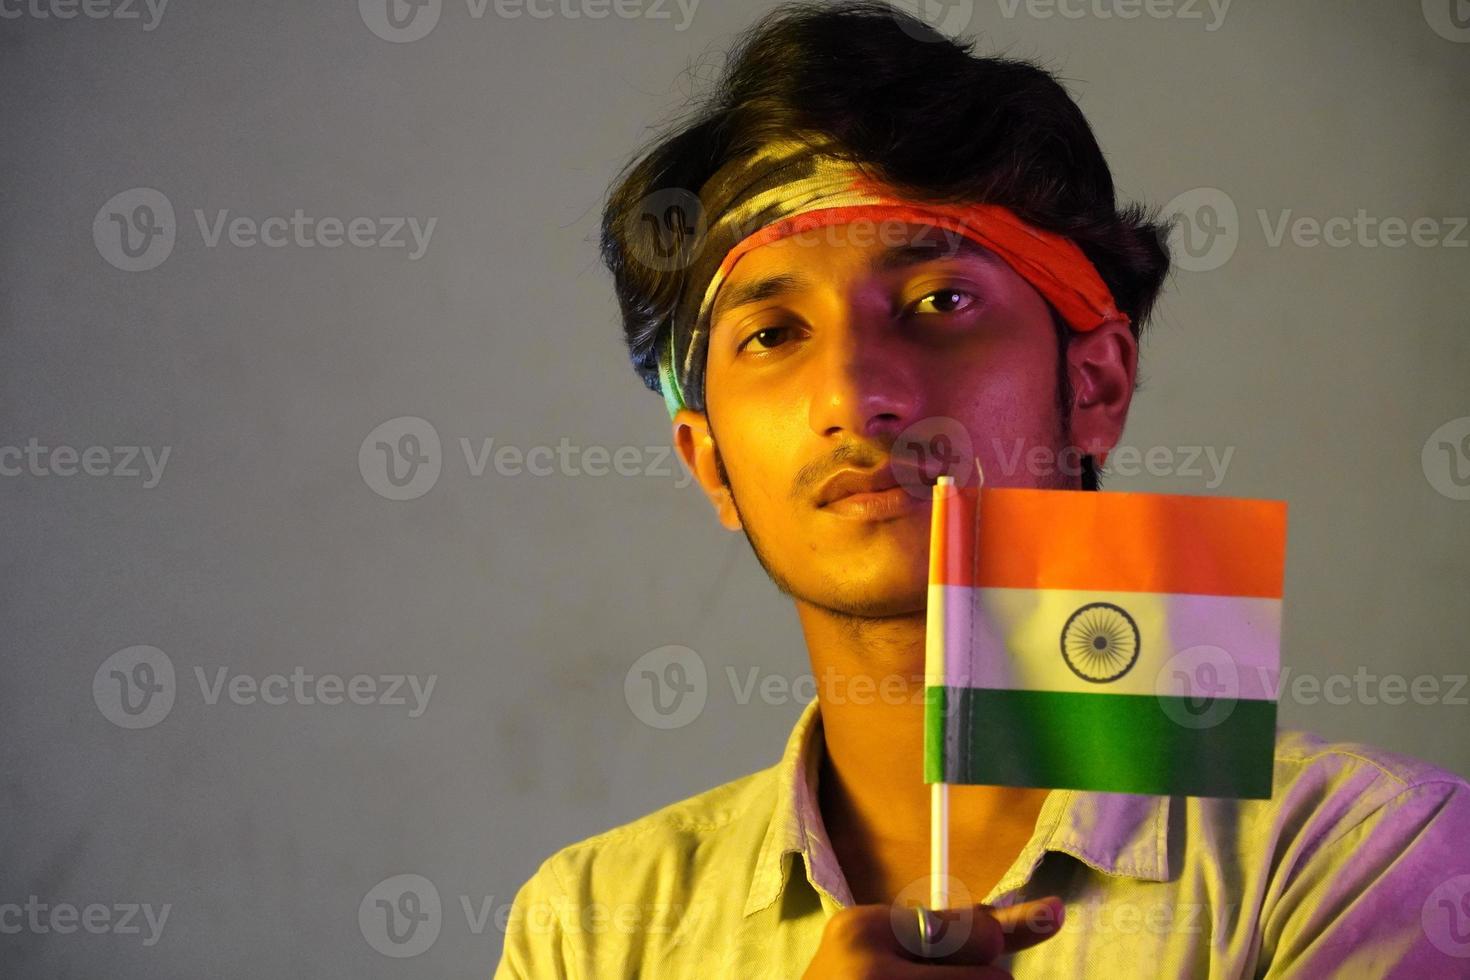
<point>948,301</point>
<point>768,337</point>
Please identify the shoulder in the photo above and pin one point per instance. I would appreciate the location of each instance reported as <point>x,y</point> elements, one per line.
<point>1352,832</point>
<point>602,905</point>
<point>732,810</point>
<point>1350,780</point>
<point>677,841</point>
<point>1300,752</point>
<point>1327,797</point>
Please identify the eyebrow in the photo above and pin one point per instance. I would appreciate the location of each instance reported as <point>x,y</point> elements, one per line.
<point>890,259</point>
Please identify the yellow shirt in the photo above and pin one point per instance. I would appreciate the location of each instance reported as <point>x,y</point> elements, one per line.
<point>1358,866</point>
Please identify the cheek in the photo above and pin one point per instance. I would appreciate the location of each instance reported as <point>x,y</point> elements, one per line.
<point>756,446</point>
<point>1004,400</point>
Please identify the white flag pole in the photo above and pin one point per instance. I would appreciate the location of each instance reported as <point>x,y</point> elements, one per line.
<point>939,845</point>
<point>938,671</point>
<point>934,652</point>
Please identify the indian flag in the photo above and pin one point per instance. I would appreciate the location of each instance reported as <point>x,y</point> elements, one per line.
<point>1122,642</point>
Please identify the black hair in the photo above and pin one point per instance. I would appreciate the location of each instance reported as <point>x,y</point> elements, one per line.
<point>916,108</point>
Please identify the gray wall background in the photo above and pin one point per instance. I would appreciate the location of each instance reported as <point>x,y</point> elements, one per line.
<point>1335,374</point>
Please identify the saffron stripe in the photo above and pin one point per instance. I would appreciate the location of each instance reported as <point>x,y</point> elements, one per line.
<point>1124,542</point>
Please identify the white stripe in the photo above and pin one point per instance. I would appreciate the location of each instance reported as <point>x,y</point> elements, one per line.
<point>1194,645</point>
<point>934,635</point>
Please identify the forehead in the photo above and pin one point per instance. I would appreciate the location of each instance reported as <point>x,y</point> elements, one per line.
<point>796,261</point>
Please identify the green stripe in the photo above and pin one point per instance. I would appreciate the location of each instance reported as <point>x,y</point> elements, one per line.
<point>1117,743</point>
<point>935,711</point>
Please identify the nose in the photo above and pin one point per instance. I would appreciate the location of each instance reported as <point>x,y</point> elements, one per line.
<point>867,384</point>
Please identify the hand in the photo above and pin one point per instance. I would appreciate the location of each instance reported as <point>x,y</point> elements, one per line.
<point>871,941</point>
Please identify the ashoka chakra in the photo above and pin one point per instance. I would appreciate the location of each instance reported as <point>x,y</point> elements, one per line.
<point>1100,642</point>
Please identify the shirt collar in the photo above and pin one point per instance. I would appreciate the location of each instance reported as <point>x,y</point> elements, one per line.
<point>1116,833</point>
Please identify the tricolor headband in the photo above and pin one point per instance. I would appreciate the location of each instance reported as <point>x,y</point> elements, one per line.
<point>788,187</point>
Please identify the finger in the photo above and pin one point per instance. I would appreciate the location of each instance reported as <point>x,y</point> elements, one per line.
<point>1029,923</point>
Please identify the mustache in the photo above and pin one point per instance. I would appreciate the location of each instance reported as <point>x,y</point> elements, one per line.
<point>853,455</point>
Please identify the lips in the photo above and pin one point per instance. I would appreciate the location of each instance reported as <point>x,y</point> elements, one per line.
<point>845,483</point>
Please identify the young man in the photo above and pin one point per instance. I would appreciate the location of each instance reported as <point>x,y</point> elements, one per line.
<point>873,240</point>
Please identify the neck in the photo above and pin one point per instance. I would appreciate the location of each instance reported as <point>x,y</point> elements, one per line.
<point>875,805</point>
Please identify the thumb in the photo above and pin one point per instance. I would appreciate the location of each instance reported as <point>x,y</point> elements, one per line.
<point>1028,923</point>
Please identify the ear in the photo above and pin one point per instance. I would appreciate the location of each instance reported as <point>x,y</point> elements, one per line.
<point>696,447</point>
<point>1101,364</point>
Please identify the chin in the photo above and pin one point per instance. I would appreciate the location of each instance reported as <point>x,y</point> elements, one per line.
<point>878,597</point>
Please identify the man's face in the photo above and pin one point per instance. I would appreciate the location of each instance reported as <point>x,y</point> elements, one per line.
<point>824,349</point>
